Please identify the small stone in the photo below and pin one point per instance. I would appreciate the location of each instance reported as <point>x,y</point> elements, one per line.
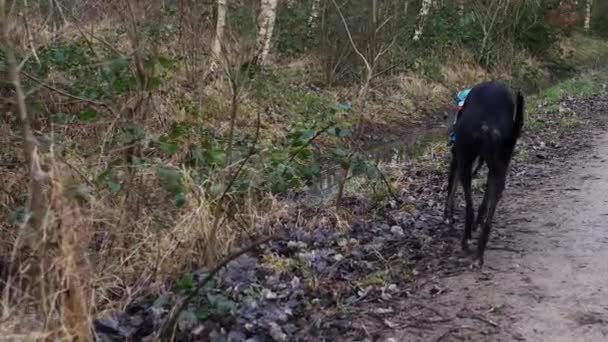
<point>338,257</point>
<point>397,230</point>
<point>236,336</point>
<point>297,244</point>
<point>295,282</point>
<point>199,330</point>
<point>268,294</point>
<point>276,332</point>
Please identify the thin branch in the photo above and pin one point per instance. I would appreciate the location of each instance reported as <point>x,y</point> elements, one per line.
<point>350,38</point>
<point>66,94</point>
<point>30,39</point>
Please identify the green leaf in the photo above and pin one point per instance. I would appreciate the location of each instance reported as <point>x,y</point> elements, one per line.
<point>344,132</point>
<point>160,302</point>
<point>202,313</point>
<point>119,64</point>
<point>222,305</point>
<point>114,187</point>
<point>307,134</point>
<point>82,192</point>
<point>358,166</point>
<point>304,154</point>
<point>188,315</point>
<point>165,62</point>
<point>340,152</point>
<point>179,199</point>
<point>61,118</point>
<point>344,106</point>
<point>16,215</point>
<point>211,284</point>
<point>88,114</point>
<point>215,156</point>
<point>216,189</point>
<point>186,283</point>
<point>168,148</point>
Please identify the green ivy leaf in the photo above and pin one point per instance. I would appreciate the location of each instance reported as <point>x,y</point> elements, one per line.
<point>185,283</point>
<point>119,64</point>
<point>160,302</point>
<point>114,187</point>
<point>340,152</point>
<point>82,192</point>
<point>16,215</point>
<point>88,114</point>
<point>222,305</point>
<point>168,148</point>
<point>344,132</point>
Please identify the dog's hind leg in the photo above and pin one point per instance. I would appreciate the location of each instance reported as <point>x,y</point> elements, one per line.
<point>465,178</point>
<point>495,187</point>
<point>448,214</point>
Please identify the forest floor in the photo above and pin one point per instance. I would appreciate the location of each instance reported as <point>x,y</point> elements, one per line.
<point>395,272</point>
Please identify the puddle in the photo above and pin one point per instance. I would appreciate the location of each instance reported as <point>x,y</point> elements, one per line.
<point>392,153</point>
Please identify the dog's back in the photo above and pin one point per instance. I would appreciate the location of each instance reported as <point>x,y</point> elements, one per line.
<point>490,106</point>
<point>487,118</point>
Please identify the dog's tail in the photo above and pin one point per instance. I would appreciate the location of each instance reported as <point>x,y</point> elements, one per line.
<point>518,122</point>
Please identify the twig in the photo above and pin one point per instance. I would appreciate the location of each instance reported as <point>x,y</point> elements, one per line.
<point>485,320</point>
<point>350,38</point>
<point>313,138</point>
<point>66,94</point>
<point>450,332</point>
<point>30,38</point>
<point>168,327</point>
<point>562,189</point>
<point>506,249</point>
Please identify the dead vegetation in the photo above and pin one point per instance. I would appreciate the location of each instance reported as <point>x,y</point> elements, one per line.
<point>130,157</point>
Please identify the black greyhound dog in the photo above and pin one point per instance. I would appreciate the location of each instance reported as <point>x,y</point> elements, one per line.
<point>488,127</point>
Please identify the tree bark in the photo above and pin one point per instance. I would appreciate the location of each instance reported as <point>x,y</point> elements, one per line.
<point>588,6</point>
<point>266,19</point>
<point>422,17</point>
<point>36,202</point>
<point>220,25</point>
<point>314,13</point>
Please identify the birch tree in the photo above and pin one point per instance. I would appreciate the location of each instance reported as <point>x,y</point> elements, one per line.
<point>314,13</point>
<point>220,25</point>
<point>266,20</point>
<point>422,17</point>
<point>588,6</point>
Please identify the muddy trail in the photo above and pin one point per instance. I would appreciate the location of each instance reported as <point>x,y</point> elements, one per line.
<point>394,272</point>
<point>548,282</point>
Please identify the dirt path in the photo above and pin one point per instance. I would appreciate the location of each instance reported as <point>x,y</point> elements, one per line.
<point>551,284</point>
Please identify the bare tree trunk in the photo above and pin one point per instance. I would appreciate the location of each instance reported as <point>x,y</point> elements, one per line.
<point>220,25</point>
<point>460,7</point>
<point>67,306</point>
<point>36,202</point>
<point>374,30</point>
<point>422,17</point>
<point>266,19</point>
<point>588,7</point>
<point>314,13</point>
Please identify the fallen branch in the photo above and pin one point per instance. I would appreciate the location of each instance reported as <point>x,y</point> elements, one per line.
<point>562,189</point>
<point>167,329</point>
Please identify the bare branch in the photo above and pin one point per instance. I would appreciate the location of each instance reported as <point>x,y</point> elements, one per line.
<point>66,94</point>
<point>350,38</point>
